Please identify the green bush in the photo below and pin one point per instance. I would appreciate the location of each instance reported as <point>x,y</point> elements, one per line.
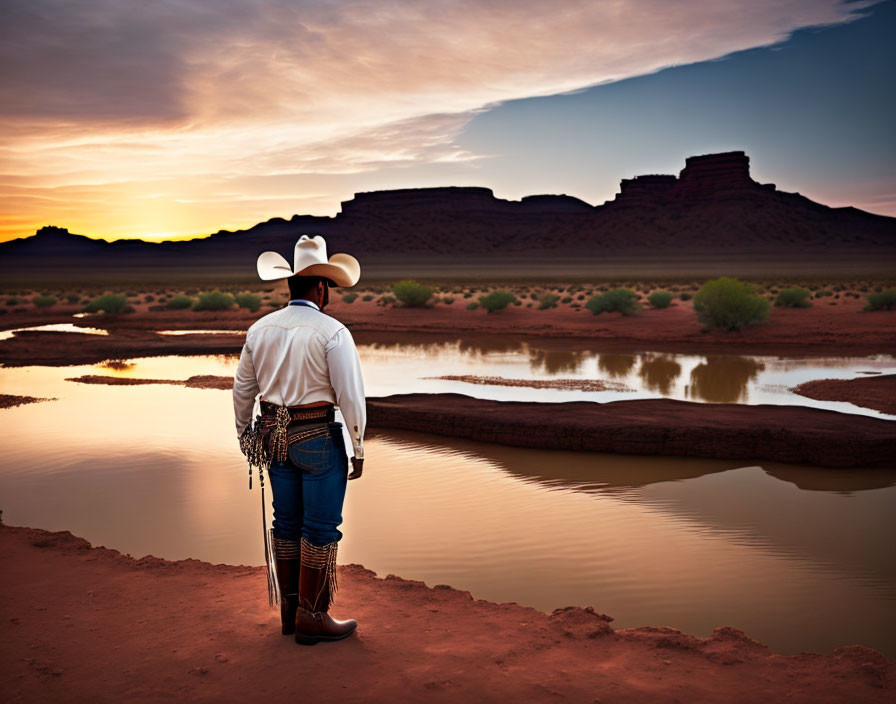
<point>547,300</point>
<point>214,300</point>
<point>412,294</point>
<point>685,296</point>
<point>472,306</point>
<point>111,303</point>
<point>12,301</point>
<point>884,300</point>
<point>729,304</point>
<point>179,302</point>
<point>72,297</point>
<point>44,301</point>
<point>448,300</point>
<point>496,300</point>
<point>368,297</point>
<point>794,298</point>
<point>349,297</point>
<point>248,300</point>
<point>386,300</point>
<point>621,300</point>
<point>659,299</point>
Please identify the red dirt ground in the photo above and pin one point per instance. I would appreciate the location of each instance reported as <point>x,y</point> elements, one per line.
<point>89,624</point>
<point>650,427</point>
<point>840,329</point>
<point>877,392</point>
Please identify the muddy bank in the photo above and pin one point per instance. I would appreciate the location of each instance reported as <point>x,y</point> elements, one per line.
<point>11,400</point>
<point>201,381</point>
<point>842,329</point>
<point>877,392</point>
<point>573,384</point>
<point>84,623</point>
<point>650,427</point>
<point>64,349</point>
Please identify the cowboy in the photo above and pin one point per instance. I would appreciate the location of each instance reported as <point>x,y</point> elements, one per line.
<point>304,365</point>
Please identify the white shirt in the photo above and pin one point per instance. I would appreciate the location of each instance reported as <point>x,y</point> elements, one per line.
<point>299,355</point>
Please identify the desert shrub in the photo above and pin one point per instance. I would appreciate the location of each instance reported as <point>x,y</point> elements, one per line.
<point>368,297</point>
<point>448,300</point>
<point>621,300</point>
<point>566,299</point>
<point>794,298</point>
<point>685,296</point>
<point>468,295</point>
<point>496,300</point>
<point>472,305</point>
<point>729,304</point>
<point>111,303</point>
<point>884,300</point>
<point>412,294</point>
<point>660,299</point>
<point>548,300</point>
<point>349,297</point>
<point>149,298</point>
<point>12,301</point>
<point>387,300</point>
<point>248,300</point>
<point>72,297</point>
<point>179,302</point>
<point>214,300</point>
<point>44,301</point>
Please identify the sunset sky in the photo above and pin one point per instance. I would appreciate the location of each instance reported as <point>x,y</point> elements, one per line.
<point>183,117</point>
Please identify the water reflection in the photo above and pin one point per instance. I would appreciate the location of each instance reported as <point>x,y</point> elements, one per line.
<point>724,496</point>
<point>616,364</point>
<point>723,379</point>
<point>659,372</point>
<point>555,361</point>
<point>653,541</point>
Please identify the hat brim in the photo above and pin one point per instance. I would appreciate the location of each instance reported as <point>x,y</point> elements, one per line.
<point>341,269</point>
<point>272,266</point>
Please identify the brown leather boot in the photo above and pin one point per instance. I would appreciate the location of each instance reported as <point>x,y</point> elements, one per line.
<point>286,556</point>
<point>317,583</point>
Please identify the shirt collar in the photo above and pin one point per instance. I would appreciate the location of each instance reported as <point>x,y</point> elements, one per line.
<point>304,302</point>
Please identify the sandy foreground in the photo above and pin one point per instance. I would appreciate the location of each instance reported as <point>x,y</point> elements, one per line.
<point>90,624</point>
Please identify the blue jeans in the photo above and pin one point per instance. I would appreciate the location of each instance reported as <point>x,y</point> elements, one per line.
<point>308,490</point>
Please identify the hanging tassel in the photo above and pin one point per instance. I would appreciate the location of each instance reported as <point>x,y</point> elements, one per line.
<point>331,573</point>
<point>269,566</point>
<point>274,595</point>
<point>322,557</point>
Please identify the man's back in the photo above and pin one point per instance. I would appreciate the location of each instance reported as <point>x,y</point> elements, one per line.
<point>297,356</point>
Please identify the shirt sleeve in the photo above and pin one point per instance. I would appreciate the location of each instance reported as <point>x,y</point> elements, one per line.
<point>245,389</point>
<point>345,377</point>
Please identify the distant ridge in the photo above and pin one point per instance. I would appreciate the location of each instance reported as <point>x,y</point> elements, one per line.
<point>713,208</point>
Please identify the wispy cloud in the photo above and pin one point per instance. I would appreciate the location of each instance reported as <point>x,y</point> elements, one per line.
<point>113,91</point>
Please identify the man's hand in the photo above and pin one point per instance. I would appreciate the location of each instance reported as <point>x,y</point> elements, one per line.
<point>357,468</point>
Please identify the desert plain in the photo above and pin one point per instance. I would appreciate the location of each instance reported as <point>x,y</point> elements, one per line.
<point>94,622</point>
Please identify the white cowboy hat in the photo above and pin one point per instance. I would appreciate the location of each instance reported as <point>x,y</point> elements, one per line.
<point>310,259</point>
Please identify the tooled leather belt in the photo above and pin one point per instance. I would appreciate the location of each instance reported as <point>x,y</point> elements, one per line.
<point>310,414</point>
